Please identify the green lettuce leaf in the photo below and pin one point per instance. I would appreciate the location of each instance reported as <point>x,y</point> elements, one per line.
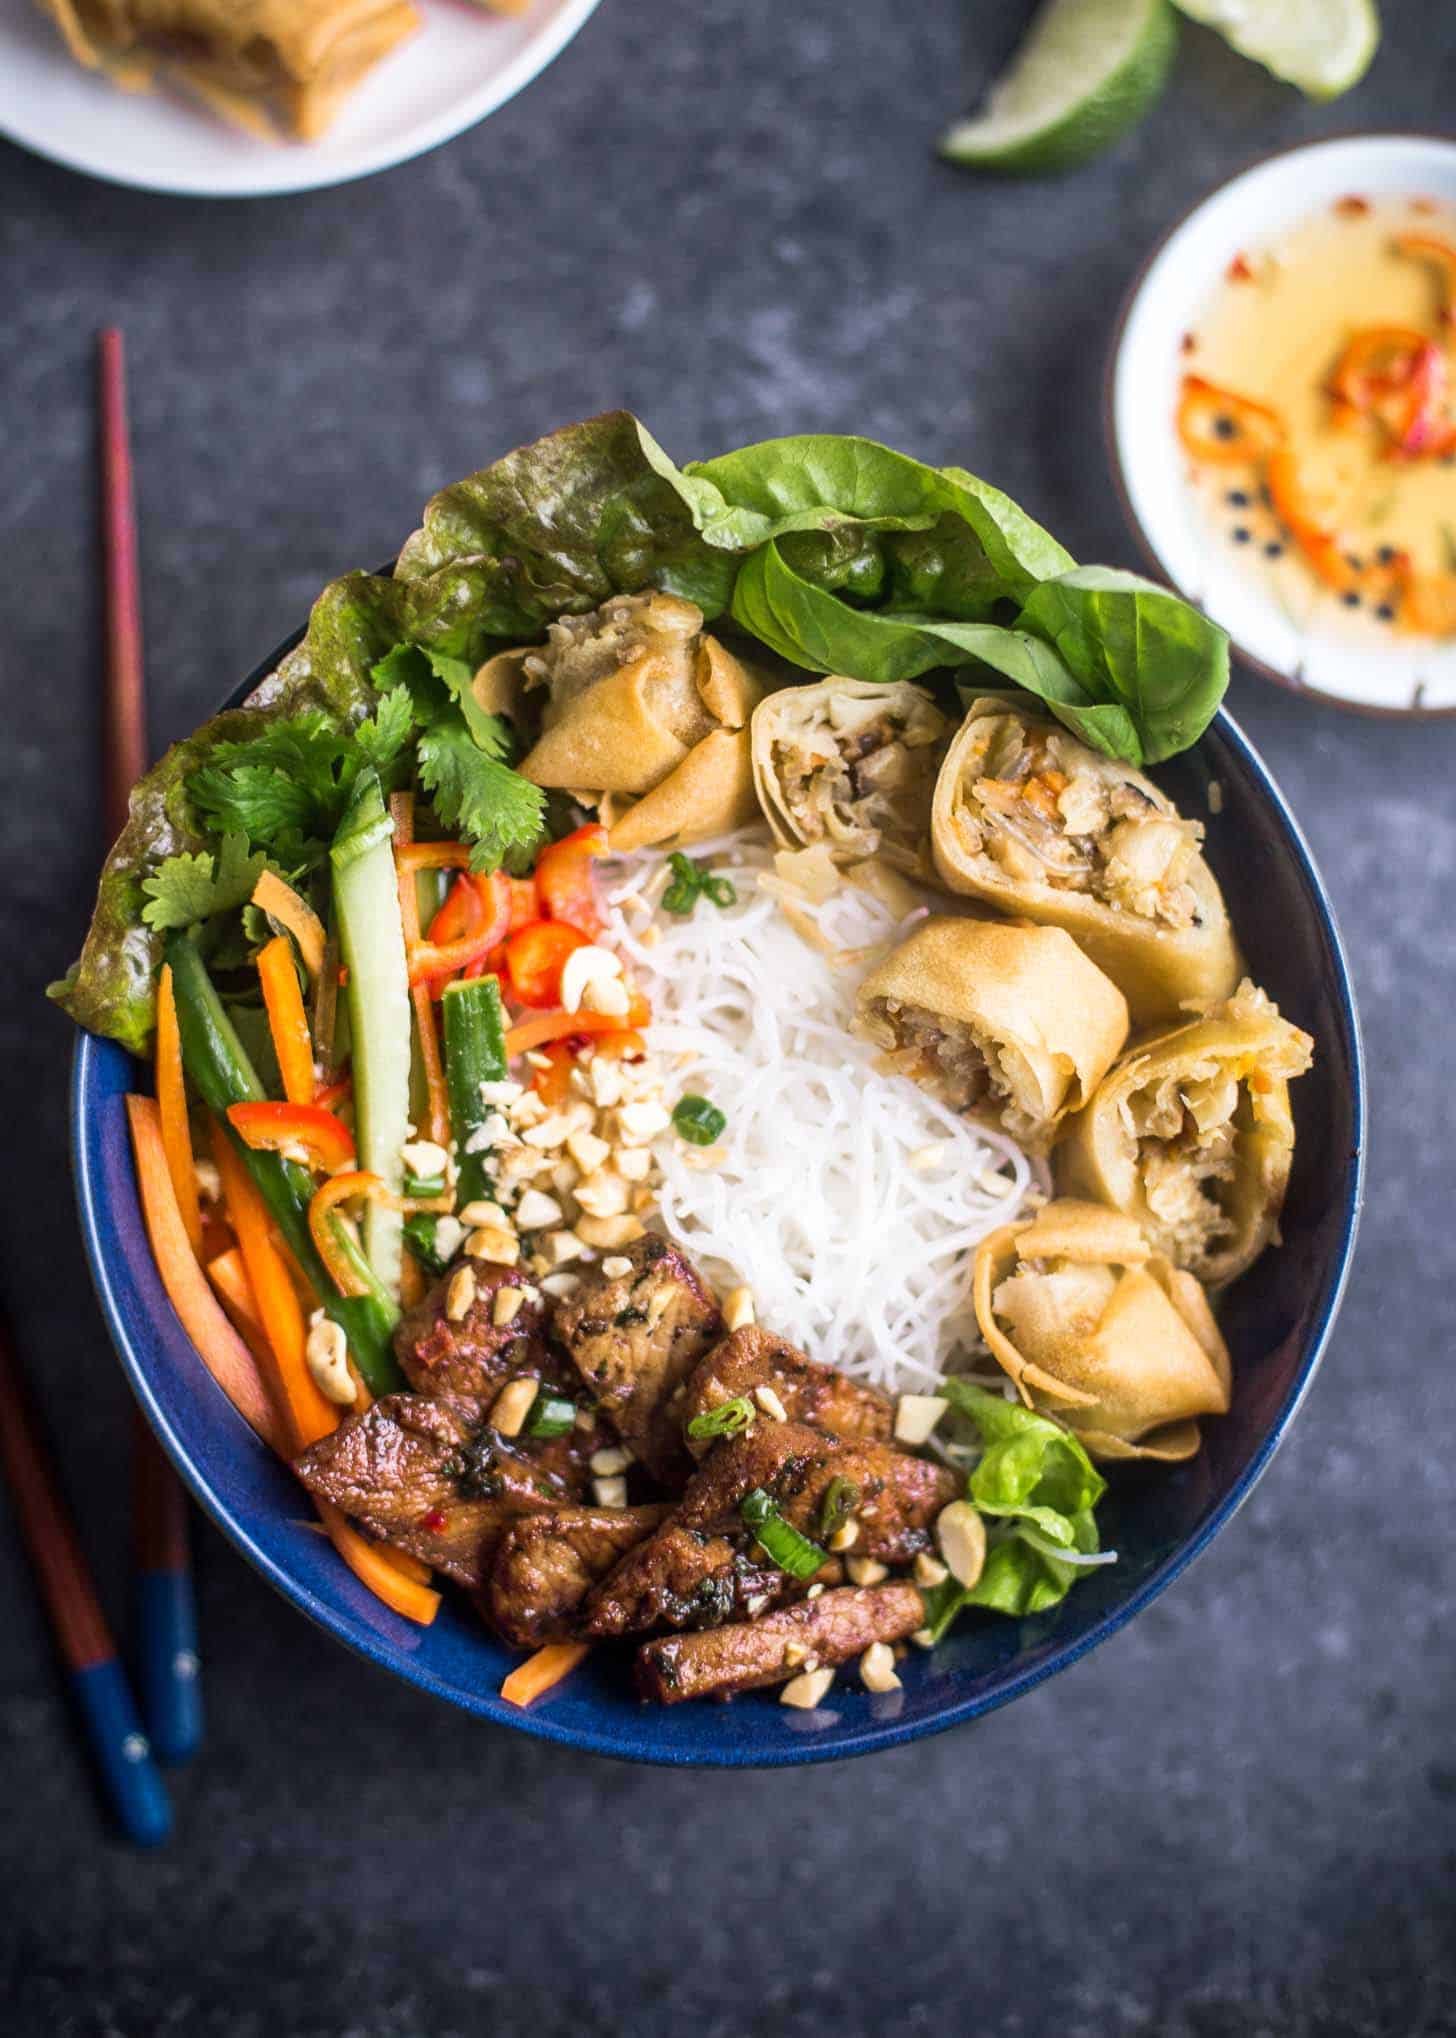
<point>1036,1478</point>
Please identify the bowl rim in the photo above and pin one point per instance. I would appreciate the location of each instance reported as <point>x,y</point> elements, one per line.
<point>844,1742</point>
<point>1131,298</point>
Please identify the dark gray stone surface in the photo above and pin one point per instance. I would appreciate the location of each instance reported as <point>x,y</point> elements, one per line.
<point>1235,1819</point>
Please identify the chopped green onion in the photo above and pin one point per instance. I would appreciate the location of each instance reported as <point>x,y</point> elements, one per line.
<point>779,1539</point>
<point>424,1185</point>
<point>841,1498</point>
<point>419,1236</point>
<point>691,882</point>
<point>552,1415</point>
<point>698,1121</point>
<point>728,1419</point>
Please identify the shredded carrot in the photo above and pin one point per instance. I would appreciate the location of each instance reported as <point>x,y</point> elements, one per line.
<point>282,903</point>
<point>172,1108</point>
<point>406,1565</point>
<point>229,1276</point>
<point>219,1346</point>
<point>545,1027</point>
<point>308,1415</point>
<point>402,812</point>
<point>373,1567</point>
<point>536,1676</point>
<point>411,1281</point>
<point>287,1020</point>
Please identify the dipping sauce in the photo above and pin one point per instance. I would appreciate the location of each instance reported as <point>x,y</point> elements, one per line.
<point>1318,411</point>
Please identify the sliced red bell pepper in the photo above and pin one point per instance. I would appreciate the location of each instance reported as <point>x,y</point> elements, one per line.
<point>473,920</point>
<point>311,1128</point>
<point>563,877</point>
<point>534,958</point>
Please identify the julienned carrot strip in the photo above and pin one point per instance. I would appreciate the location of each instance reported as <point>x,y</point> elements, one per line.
<point>219,1346</point>
<point>379,1572</point>
<point>406,1565</point>
<point>308,1416</point>
<point>172,1107</point>
<point>402,813</point>
<point>411,1281</point>
<point>229,1276</point>
<point>537,1675</point>
<point>282,903</point>
<point>549,1026</point>
<point>287,1020</point>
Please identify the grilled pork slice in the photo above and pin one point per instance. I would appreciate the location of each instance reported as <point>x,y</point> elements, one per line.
<point>476,1355</point>
<point>809,1392</point>
<point>833,1628</point>
<point>546,1564</point>
<point>634,1340</point>
<point>703,1566</point>
<point>429,1475</point>
<point>681,1577</point>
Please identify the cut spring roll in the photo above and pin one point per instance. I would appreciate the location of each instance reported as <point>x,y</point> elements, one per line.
<point>256,62</point>
<point>1012,1025</point>
<point>1036,824</point>
<point>1099,1331</point>
<point>851,764</point>
<point>1192,1135</point>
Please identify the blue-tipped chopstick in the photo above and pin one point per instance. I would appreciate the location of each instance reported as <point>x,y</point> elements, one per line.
<point>132,1779</point>
<point>166,1610</point>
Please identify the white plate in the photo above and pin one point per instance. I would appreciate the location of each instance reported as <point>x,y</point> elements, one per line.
<point>461,65</point>
<point>1396,676</point>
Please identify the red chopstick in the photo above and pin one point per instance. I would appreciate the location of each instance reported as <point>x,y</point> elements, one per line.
<point>132,1779</point>
<point>167,1619</point>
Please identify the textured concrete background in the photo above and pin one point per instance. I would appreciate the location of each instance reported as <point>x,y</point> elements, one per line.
<point>1237,1818</point>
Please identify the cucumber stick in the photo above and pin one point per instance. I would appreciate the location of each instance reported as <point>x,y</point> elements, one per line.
<point>475,1053</point>
<point>371,945</point>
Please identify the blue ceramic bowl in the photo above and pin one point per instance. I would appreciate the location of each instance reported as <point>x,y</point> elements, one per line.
<point>1277,1320</point>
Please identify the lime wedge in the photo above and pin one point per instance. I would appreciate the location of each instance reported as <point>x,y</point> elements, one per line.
<point>1087,72</point>
<point>1322,46</point>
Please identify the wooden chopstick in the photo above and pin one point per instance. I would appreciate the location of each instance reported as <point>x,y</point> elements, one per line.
<point>132,1779</point>
<point>166,1606</point>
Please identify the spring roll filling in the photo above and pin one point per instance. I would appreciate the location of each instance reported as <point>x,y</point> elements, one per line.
<point>1048,812</point>
<point>863,779</point>
<point>1186,1127</point>
<point>955,1061</point>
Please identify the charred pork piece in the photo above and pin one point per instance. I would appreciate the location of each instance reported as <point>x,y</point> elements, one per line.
<point>703,1566</point>
<point>681,1578</point>
<point>833,1628</point>
<point>546,1564</point>
<point>819,1482</point>
<point>634,1340</point>
<point>429,1475</point>
<point>477,1354</point>
<point>808,1392</point>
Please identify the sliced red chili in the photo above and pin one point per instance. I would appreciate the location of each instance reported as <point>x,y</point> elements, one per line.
<point>1221,426</point>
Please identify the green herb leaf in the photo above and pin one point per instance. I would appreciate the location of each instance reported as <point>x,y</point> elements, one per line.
<point>552,1415</point>
<point>792,1552</point>
<point>698,1121</point>
<point>382,735</point>
<point>477,796</point>
<point>728,1419</point>
<point>191,887</point>
<point>419,1236</point>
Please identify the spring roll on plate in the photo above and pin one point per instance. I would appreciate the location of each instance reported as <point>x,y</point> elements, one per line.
<point>645,717</point>
<point>1033,822</point>
<point>1192,1135</point>
<point>851,764</point>
<point>1099,1331</point>
<point>1012,1025</point>
<point>263,64</point>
